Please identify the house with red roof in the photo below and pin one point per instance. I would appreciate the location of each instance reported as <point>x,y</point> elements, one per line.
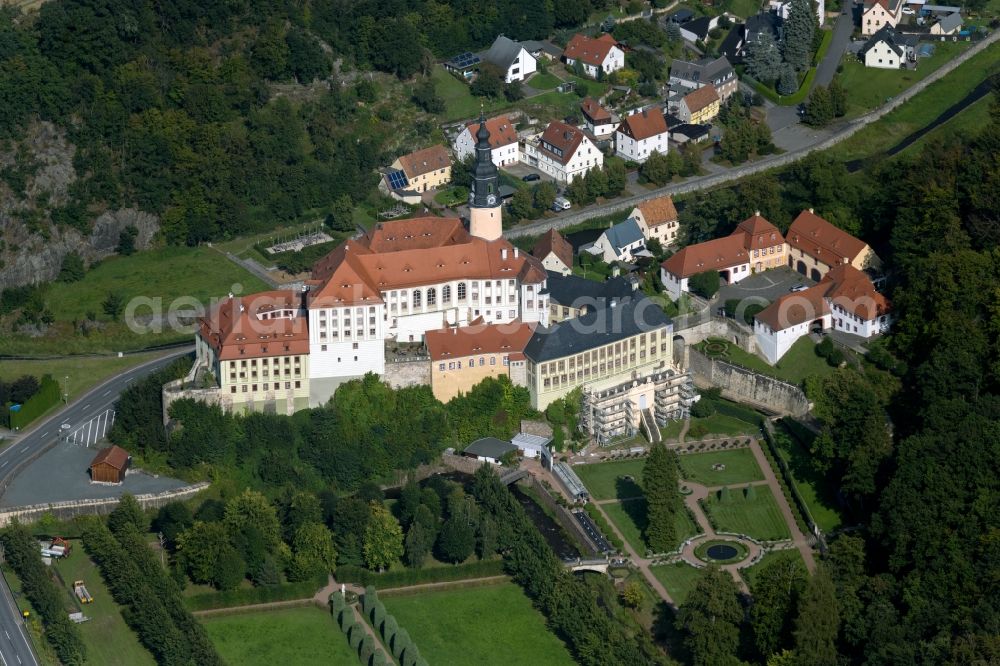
<point>562,151</point>
<point>462,357</point>
<point>815,246</point>
<point>555,252</point>
<point>642,134</point>
<point>878,13</point>
<point>599,121</point>
<point>725,255</point>
<point>503,141</point>
<point>597,56</point>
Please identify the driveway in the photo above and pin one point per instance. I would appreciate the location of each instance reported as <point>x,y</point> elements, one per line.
<point>842,30</point>
<point>519,170</point>
<point>766,286</point>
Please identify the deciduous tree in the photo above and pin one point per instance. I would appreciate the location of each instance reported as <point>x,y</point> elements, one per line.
<point>383,539</point>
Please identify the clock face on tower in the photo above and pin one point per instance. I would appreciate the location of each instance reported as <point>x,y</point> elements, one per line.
<point>491,199</point>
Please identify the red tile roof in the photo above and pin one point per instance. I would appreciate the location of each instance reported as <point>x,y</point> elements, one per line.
<point>658,211</point>
<point>409,253</point>
<point>714,255</point>
<point>502,131</point>
<point>478,338</point>
<point>553,242</point>
<point>597,113</point>
<point>114,456</point>
<point>816,237</point>
<point>843,285</point>
<point>645,124</point>
<point>565,138</point>
<point>697,100</point>
<point>757,232</point>
<point>257,325</point>
<point>425,161</point>
<point>590,51</point>
<point>797,308</point>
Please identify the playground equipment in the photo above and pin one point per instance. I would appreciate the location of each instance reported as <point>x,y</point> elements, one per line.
<point>80,590</point>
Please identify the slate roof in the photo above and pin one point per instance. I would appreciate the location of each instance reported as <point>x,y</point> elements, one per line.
<point>950,22</point>
<point>692,132</point>
<point>884,34</point>
<point>627,318</point>
<point>705,70</point>
<point>699,26</point>
<point>763,22</point>
<point>624,234</point>
<point>503,52</point>
<point>573,291</point>
<point>490,447</point>
<point>682,15</point>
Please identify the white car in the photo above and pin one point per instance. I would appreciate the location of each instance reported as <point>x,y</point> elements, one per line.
<point>907,10</point>
<point>798,287</point>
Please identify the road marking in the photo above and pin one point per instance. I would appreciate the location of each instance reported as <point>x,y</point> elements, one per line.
<point>106,392</point>
<point>18,657</point>
<point>87,405</point>
<point>24,449</point>
<point>8,635</point>
<point>45,433</point>
<point>5,463</point>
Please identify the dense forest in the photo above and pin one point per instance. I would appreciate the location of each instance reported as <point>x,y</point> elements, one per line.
<point>173,107</point>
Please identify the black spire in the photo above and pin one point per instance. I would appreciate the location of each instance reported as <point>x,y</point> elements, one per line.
<point>485,176</point>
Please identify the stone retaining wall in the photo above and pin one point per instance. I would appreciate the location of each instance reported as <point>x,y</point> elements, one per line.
<point>744,385</point>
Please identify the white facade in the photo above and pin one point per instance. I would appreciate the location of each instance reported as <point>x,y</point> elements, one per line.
<point>848,322</point>
<point>586,157</point>
<point>781,7</point>
<point>877,16</point>
<point>346,341</point>
<point>524,65</point>
<point>639,151</point>
<point>775,344</point>
<point>552,262</point>
<point>602,129</point>
<point>465,146</point>
<point>603,248</point>
<point>675,286</point>
<point>882,55</point>
<point>614,61</point>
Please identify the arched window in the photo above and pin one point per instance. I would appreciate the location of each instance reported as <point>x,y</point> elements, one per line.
<point>461,291</point>
<point>416,298</point>
<point>446,293</point>
<point>431,296</point>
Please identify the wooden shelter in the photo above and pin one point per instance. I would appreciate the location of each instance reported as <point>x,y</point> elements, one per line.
<point>109,465</point>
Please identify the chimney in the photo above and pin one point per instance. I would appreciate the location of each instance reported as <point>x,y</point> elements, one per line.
<point>756,213</point>
<point>812,210</point>
<point>645,113</point>
<point>516,252</point>
<point>503,253</point>
<point>454,330</point>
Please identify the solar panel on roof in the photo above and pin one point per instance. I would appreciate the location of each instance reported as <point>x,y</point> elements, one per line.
<point>398,180</point>
<point>464,60</point>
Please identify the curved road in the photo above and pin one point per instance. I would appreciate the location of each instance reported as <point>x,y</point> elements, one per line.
<point>15,648</point>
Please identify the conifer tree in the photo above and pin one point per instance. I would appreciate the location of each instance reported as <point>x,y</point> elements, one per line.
<point>818,622</point>
<point>659,482</point>
<point>798,36</point>
<point>710,620</point>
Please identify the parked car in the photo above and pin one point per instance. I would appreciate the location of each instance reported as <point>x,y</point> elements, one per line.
<point>799,287</point>
<point>561,203</point>
<point>531,177</point>
<point>907,10</point>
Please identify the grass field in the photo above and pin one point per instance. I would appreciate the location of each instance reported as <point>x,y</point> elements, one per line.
<point>544,81</point>
<point>280,638</point>
<point>603,482</point>
<point>791,555</point>
<point>868,88</point>
<point>740,467</point>
<point>630,518</point>
<point>719,424</point>
<point>491,625</point>
<point>921,110</point>
<point>459,102</point>
<point>83,372</point>
<point>758,517</point>
<point>679,579</point>
<point>816,491</point>
<point>108,639</point>
<point>968,122</point>
<point>798,362</point>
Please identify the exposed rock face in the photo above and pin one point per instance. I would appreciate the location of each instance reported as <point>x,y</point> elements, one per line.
<point>34,254</point>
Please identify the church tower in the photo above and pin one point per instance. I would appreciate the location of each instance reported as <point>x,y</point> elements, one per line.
<point>484,199</point>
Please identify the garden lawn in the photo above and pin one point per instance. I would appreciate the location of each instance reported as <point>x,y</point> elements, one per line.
<point>720,424</point>
<point>798,362</point>
<point>868,88</point>
<point>679,578</point>
<point>108,639</point>
<point>759,517</point>
<point>774,556</point>
<point>740,464</point>
<point>83,371</point>
<point>630,518</point>
<point>279,638</point>
<point>490,625</point>
<point>459,102</point>
<point>819,495</point>
<point>602,479</point>
<point>544,81</point>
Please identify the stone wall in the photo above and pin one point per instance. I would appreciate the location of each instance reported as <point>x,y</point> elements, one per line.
<point>409,373</point>
<point>562,515</point>
<point>95,507</point>
<point>744,385</point>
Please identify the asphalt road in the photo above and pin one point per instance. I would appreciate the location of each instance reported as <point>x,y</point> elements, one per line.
<point>15,648</point>
<point>842,30</point>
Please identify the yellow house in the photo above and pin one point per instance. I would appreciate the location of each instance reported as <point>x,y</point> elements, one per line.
<point>763,242</point>
<point>700,106</point>
<point>425,169</point>
<point>463,357</point>
<point>815,246</point>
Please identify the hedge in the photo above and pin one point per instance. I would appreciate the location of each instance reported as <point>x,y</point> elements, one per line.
<point>255,595</point>
<point>405,577</point>
<point>796,97</point>
<point>48,395</point>
<point>799,509</point>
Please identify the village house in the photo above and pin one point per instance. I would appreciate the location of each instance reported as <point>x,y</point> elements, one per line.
<point>878,13</point>
<point>697,30</point>
<point>599,56</point>
<point>599,121</point>
<point>887,49</point>
<point>512,58</point>
<point>844,300</point>
<point>815,246</point>
<point>620,242</point>
<point>657,219</point>
<point>782,7</point>
<point>423,170</point>
<point>726,255</point>
<point>561,151</point>
<point>700,106</point>
<point>642,134</point>
<point>718,72</point>
<point>950,24</point>
<point>503,141</point>
<point>462,357</point>
<point>555,252</point>
<point>763,242</point>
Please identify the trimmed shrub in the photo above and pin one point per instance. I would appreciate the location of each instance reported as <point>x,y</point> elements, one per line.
<point>337,603</point>
<point>369,599</point>
<point>367,650</point>
<point>346,620</point>
<point>389,629</point>
<point>406,577</point>
<point>401,643</point>
<point>750,493</point>
<point>379,659</point>
<point>724,495</point>
<point>377,614</point>
<point>411,656</point>
<point>835,358</point>
<point>356,635</point>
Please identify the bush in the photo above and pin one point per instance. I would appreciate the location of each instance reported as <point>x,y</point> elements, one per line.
<point>824,348</point>
<point>702,408</point>
<point>405,577</point>
<point>835,358</point>
<point>258,595</point>
<point>705,284</point>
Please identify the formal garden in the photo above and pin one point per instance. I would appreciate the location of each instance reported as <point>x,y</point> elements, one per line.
<point>799,362</point>
<point>750,510</point>
<point>283,636</point>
